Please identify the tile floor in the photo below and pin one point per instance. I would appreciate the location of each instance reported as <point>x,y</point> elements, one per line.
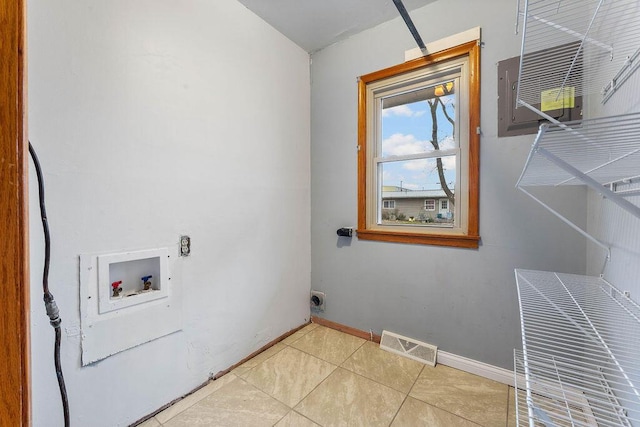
<point>322,377</point>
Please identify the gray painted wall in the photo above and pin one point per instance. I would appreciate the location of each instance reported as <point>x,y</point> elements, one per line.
<point>462,300</point>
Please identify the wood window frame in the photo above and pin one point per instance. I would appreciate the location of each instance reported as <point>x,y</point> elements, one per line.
<point>15,386</point>
<point>471,238</point>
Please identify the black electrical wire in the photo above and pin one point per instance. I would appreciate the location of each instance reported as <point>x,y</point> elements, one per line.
<point>410,25</point>
<point>49,302</point>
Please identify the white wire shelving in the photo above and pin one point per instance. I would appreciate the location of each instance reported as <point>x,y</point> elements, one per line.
<point>580,362</point>
<point>573,48</point>
<point>598,153</point>
<point>576,47</point>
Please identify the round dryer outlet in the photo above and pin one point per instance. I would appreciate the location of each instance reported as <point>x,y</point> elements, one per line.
<point>317,301</point>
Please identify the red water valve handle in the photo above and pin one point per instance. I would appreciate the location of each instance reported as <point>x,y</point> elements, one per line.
<point>116,284</point>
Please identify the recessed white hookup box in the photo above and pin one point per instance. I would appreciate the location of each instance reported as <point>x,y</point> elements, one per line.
<point>112,323</point>
<point>125,272</point>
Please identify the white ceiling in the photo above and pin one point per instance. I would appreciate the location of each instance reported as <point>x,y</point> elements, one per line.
<point>315,24</point>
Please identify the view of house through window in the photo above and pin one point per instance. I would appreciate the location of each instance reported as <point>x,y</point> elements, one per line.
<point>419,155</point>
<point>418,150</point>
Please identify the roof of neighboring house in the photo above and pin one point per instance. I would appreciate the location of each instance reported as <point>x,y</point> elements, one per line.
<point>419,194</point>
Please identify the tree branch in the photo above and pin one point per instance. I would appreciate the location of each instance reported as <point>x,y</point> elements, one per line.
<point>433,106</point>
<point>444,110</point>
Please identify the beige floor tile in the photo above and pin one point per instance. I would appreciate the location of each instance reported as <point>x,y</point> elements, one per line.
<point>347,399</point>
<point>416,413</point>
<point>289,375</point>
<point>366,390</point>
<point>264,355</point>
<point>235,404</point>
<point>194,398</point>
<point>469,396</point>
<point>252,363</point>
<point>299,334</point>
<point>328,344</point>
<point>293,419</point>
<point>152,422</point>
<point>386,368</point>
<point>241,371</point>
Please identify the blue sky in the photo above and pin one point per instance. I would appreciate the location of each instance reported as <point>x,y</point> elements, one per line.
<point>406,129</point>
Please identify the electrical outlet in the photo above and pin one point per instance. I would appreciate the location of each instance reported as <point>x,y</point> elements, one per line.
<point>185,245</point>
<point>317,300</point>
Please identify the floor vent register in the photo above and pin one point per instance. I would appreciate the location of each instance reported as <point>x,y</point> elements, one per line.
<point>409,347</point>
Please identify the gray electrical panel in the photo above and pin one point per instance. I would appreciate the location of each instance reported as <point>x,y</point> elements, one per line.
<point>516,120</point>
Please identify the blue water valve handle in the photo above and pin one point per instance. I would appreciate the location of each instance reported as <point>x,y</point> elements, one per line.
<point>146,278</point>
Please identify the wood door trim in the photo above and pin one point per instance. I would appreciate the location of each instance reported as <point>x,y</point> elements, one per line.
<point>15,387</point>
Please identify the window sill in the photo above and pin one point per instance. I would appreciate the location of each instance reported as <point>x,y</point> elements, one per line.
<point>459,241</point>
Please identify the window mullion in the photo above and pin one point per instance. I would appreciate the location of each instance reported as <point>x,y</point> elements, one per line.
<point>428,155</point>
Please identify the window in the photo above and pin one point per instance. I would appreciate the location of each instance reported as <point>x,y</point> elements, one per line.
<point>388,204</point>
<point>418,140</point>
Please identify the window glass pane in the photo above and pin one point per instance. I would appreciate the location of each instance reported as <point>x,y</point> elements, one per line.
<point>411,120</point>
<point>409,117</point>
<point>419,197</point>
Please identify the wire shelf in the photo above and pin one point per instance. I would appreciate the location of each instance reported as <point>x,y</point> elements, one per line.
<point>580,363</point>
<point>605,149</point>
<point>577,47</point>
<point>597,152</point>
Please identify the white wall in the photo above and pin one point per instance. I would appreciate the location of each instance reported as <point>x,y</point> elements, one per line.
<point>615,227</point>
<point>462,300</point>
<point>610,224</point>
<point>153,119</point>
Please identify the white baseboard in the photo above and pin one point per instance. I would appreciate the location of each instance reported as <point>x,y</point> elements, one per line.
<point>482,369</point>
<point>485,370</point>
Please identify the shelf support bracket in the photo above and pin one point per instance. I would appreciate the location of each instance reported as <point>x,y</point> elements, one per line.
<point>540,113</point>
<point>629,67</point>
<point>569,223</point>
<point>592,183</point>
<point>577,55</point>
